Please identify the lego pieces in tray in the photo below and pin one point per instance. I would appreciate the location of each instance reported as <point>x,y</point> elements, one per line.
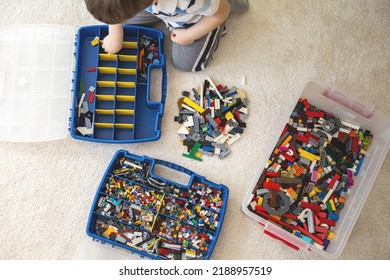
<point>159,218</point>
<point>306,181</point>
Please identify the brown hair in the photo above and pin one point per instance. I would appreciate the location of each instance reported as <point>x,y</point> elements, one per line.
<point>116,11</point>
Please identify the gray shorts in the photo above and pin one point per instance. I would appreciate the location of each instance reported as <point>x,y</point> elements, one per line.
<point>196,56</point>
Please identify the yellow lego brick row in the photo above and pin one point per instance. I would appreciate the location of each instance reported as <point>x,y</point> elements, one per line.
<point>192,104</point>
<point>125,98</point>
<point>107,70</point>
<point>107,57</point>
<point>124,125</point>
<point>125,57</point>
<point>125,71</point>
<point>106,83</point>
<point>104,125</point>
<point>130,45</point>
<point>125,84</point>
<point>124,111</point>
<point>308,155</point>
<point>125,45</point>
<point>104,97</point>
<point>104,112</point>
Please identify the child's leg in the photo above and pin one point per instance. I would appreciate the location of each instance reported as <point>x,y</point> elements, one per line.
<point>143,18</point>
<point>195,57</point>
<point>238,5</point>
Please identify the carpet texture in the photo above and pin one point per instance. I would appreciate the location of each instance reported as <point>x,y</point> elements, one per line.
<point>46,189</point>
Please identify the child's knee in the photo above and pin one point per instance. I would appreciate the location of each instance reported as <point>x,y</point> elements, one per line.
<point>188,58</point>
<point>182,64</point>
<point>188,66</point>
<point>238,6</point>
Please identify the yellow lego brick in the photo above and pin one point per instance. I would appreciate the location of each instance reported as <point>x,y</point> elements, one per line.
<point>193,105</point>
<point>109,231</point>
<point>331,202</point>
<point>260,200</point>
<point>229,115</point>
<point>312,193</point>
<point>331,235</point>
<point>95,41</point>
<point>308,155</point>
<point>316,189</point>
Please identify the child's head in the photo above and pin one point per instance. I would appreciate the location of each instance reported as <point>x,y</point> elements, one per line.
<point>116,11</point>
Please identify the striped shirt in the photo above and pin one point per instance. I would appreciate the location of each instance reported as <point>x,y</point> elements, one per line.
<point>183,13</point>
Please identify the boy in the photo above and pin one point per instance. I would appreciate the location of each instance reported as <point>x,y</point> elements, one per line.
<point>196,25</point>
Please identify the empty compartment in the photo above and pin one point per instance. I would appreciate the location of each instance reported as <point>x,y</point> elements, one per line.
<point>103,131</point>
<point>124,131</point>
<point>125,88</point>
<point>104,116</point>
<point>127,61</point>
<point>104,101</point>
<point>124,116</point>
<point>106,73</point>
<point>107,60</point>
<point>125,102</point>
<point>124,124</point>
<point>126,75</point>
<point>130,46</point>
<point>105,88</point>
<point>147,120</point>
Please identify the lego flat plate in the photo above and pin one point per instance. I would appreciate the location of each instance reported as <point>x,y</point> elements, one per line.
<point>36,63</point>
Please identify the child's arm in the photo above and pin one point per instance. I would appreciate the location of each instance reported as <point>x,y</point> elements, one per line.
<point>113,42</point>
<point>203,27</point>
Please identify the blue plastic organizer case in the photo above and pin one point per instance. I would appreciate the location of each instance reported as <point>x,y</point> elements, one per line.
<point>156,217</point>
<point>111,96</point>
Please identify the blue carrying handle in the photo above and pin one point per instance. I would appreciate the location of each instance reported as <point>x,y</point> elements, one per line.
<point>174,166</point>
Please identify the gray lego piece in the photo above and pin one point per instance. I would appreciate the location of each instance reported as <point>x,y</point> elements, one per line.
<point>286,180</point>
<point>261,192</point>
<point>283,203</point>
<point>224,154</point>
<point>310,222</point>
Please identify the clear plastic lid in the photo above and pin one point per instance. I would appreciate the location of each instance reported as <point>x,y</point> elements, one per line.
<point>36,64</point>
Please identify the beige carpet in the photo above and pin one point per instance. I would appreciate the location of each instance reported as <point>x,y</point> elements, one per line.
<point>46,189</point>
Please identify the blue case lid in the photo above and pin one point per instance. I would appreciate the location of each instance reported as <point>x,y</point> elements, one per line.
<point>112,94</point>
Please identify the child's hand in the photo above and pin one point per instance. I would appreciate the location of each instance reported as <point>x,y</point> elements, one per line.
<point>181,37</point>
<point>113,42</point>
<point>112,45</point>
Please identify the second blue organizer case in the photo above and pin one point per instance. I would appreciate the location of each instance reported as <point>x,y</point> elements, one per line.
<point>157,217</point>
<point>112,93</point>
